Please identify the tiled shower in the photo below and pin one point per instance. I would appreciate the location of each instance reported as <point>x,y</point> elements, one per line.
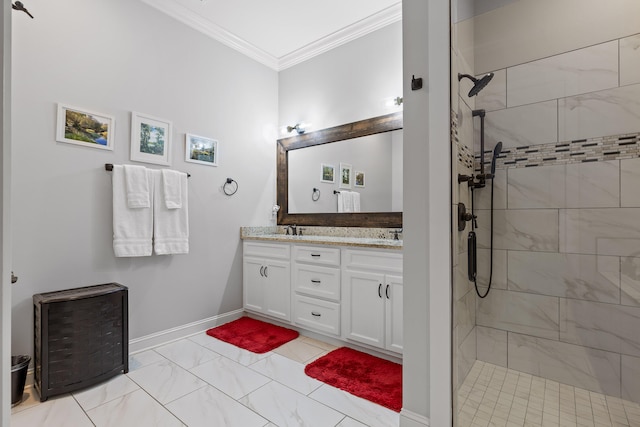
<point>565,300</point>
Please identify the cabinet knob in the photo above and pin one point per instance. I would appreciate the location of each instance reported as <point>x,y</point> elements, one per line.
<point>317,282</point>
<point>315,255</point>
<point>387,291</point>
<point>316,314</point>
<point>380,290</point>
<point>262,271</point>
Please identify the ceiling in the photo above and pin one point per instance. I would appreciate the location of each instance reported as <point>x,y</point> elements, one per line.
<point>282,33</point>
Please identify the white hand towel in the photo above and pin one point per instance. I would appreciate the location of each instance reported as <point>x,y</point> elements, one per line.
<point>171,188</point>
<point>341,200</point>
<point>137,184</point>
<point>355,198</point>
<point>170,226</point>
<point>347,199</point>
<point>132,228</point>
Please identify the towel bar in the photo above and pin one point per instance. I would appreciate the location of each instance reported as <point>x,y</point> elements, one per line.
<point>109,167</point>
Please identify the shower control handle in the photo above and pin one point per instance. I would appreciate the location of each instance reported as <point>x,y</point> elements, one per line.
<point>464,217</point>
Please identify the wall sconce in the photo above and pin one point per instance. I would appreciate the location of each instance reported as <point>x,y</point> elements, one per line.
<point>298,128</point>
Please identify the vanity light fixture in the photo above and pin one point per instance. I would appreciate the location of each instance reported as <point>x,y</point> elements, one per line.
<point>298,128</point>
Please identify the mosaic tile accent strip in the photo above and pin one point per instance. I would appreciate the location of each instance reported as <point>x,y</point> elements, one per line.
<point>615,147</point>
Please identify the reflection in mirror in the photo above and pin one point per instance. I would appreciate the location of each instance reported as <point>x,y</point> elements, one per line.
<point>376,162</point>
<point>382,174</point>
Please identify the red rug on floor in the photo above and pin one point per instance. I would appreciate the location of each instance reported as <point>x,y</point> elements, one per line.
<point>253,335</point>
<point>363,375</point>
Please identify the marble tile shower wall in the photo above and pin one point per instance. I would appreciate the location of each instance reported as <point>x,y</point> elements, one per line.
<point>565,299</point>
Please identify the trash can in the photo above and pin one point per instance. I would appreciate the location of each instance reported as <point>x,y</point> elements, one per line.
<point>19,366</point>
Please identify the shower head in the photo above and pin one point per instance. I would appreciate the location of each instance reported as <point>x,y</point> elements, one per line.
<point>496,152</point>
<point>478,84</point>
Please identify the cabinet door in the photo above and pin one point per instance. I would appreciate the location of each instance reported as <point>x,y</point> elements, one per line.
<point>364,307</point>
<point>253,284</point>
<point>277,294</point>
<point>393,302</point>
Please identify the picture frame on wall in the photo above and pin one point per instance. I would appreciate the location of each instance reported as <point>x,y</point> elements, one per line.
<point>359,179</point>
<point>327,173</point>
<point>150,139</point>
<point>201,150</point>
<point>79,126</point>
<point>346,172</point>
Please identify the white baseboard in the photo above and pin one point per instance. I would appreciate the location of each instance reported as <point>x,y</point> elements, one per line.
<point>169,335</point>
<point>411,419</point>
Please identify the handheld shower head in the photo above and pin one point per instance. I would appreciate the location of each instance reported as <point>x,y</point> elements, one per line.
<point>478,84</point>
<point>496,152</point>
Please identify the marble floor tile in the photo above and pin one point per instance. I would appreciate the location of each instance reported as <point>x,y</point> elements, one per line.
<point>210,407</point>
<point>166,381</point>
<point>143,358</point>
<point>30,398</point>
<point>357,408</point>
<point>136,409</point>
<point>287,372</point>
<point>55,412</point>
<point>299,350</point>
<point>234,379</point>
<point>230,351</point>
<point>102,393</point>
<point>285,407</point>
<point>317,343</point>
<point>350,422</point>
<point>186,353</point>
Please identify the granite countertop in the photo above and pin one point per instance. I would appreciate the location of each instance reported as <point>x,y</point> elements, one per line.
<point>336,236</point>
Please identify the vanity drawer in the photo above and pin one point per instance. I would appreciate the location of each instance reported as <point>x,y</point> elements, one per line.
<point>316,280</point>
<point>372,260</point>
<point>322,316</point>
<point>317,255</point>
<point>267,250</point>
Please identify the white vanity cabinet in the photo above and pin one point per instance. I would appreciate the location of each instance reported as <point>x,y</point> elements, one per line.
<point>266,269</point>
<point>316,288</point>
<point>372,298</point>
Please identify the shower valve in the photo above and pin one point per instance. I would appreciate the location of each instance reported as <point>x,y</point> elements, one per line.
<point>464,216</point>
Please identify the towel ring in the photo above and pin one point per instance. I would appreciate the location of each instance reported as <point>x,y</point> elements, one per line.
<point>313,195</point>
<point>231,192</point>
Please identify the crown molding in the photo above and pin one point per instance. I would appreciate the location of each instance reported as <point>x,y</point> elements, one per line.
<point>361,28</point>
<point>214,31</point>
<point>365,26</point>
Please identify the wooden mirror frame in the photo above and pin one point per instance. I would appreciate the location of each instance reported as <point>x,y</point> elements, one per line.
<point>386,123</point>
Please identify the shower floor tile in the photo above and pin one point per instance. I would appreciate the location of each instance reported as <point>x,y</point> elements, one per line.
<point>496,396</point>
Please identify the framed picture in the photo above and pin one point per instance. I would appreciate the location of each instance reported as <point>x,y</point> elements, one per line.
<point>199,149</point>
<point>327,173</point>
<point>359,181</point>
<point>345,175</point>
<point>150,139</point>
<point>81,127</point>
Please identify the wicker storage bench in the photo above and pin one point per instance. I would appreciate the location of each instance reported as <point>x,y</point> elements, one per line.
<point>81,337</point>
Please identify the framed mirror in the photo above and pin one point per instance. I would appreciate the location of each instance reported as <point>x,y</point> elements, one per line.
<point>353,132</point>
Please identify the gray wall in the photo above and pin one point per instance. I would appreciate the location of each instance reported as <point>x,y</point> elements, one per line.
<point>349,83</point>
<point>118,56</point>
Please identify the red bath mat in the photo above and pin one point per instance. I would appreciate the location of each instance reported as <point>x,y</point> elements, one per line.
<point>253,335</point>
<point>362,375</point>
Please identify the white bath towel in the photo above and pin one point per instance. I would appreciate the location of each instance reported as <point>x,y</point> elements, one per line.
<point>341,201</point>
<point>170,226</point>
<point>137,184</point>
<point>355,200</point>
<point>171,188</point>
<point>132,228</point>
